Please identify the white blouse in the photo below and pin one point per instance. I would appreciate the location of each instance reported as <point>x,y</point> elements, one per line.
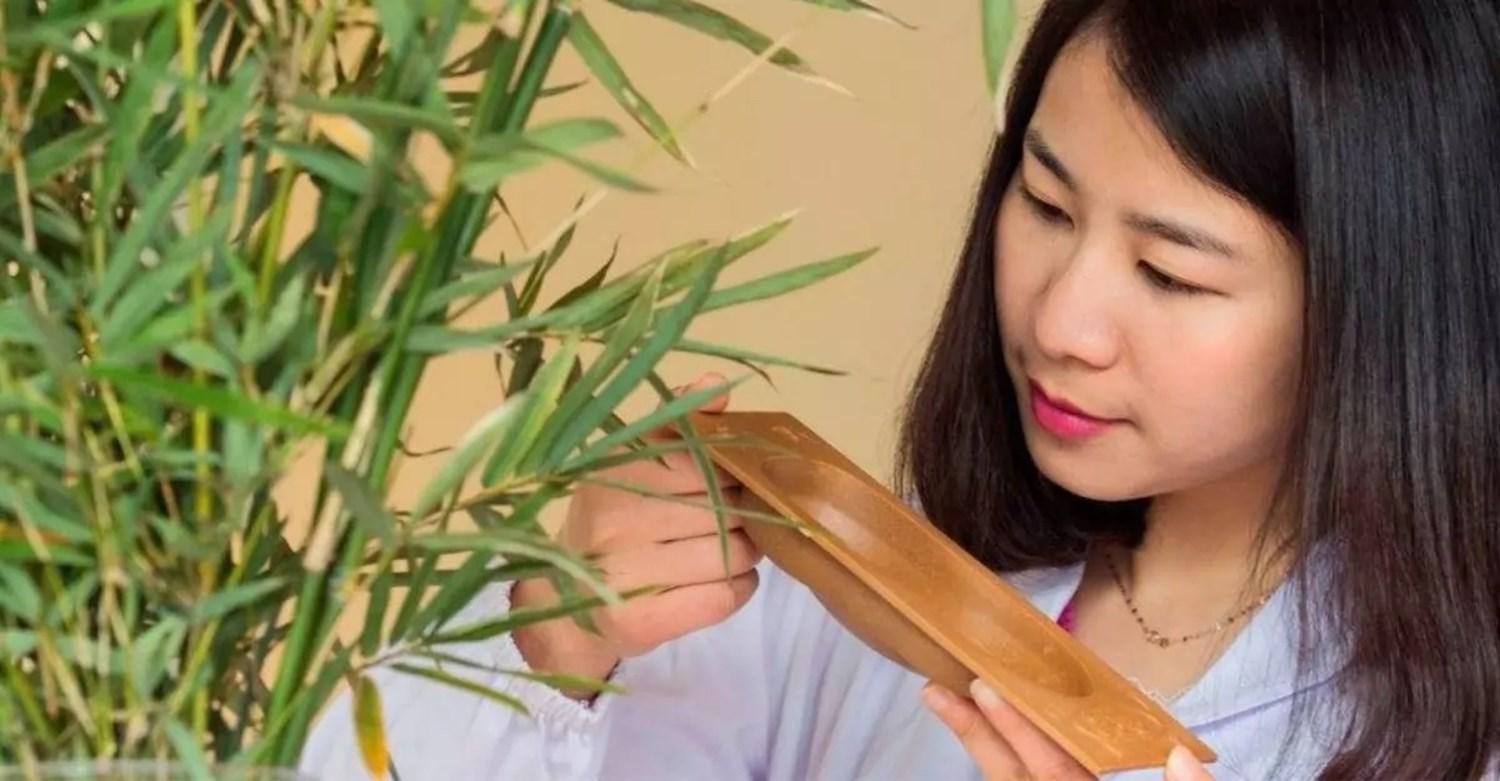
<point>782,691</point>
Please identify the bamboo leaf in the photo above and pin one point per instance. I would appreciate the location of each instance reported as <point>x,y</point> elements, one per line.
<point>497,157</point>
<point>188,750</point>
<point>861,6</point>
<point>478,284</point>
<point>716,23</point>
<point>225,116</point>
<point>589,285</point>
<point>218,401</point>
<point>779,284</point>
<point>221,603</point>
<point>494,627</point>
<point>667,413</point>
<point>20,595</point>
<point>626,335</point>
<point>669,328</point>
<point>202,355</point>
<point>541,401</point>
<point>607,70</point>
<point>363,503</point>
<point>383,114</point>
<point>369,728</point>
<point>261,341</point>
<point>998,26</point>
<point>749,359</point>
<point>489,431</point>
<point>449,679</point>
<point>555,680</point>
<point>329,164</point>
<point>115,10</point>
<point>63,153</point>
<point>151,291</point>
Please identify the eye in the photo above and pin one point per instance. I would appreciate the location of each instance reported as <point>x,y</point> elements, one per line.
<point>1168,283</point>
<point>1046,211</point>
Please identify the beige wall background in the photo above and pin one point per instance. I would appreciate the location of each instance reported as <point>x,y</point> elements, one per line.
<point>893,164</point>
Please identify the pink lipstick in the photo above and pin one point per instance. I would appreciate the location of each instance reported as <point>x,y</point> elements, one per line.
<point>1063,420</point>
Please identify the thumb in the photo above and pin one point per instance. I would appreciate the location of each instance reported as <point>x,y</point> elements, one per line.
<point>1183,766</point>
<point>716,404</point>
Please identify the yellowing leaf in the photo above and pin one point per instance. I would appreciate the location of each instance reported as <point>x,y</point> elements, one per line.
<point>369,728</point>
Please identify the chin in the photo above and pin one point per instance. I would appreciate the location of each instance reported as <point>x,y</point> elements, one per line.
<point>1094,476</point>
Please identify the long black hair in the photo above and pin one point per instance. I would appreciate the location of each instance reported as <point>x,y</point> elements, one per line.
<point>1369,131</point>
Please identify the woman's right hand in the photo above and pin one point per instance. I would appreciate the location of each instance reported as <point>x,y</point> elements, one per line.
<point>639,541</point>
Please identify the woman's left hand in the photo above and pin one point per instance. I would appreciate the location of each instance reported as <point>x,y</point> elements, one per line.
<point>1008,747</point>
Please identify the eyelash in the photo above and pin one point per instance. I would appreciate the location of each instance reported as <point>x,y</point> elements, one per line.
<point>1154,276</point>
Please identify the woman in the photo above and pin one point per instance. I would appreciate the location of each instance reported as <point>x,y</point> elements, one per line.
<point>1217,385</point>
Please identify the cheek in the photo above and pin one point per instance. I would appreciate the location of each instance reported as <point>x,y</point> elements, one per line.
<point>1222,396</point>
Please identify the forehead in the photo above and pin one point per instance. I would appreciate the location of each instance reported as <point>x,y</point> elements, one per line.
<point>1118,157</point>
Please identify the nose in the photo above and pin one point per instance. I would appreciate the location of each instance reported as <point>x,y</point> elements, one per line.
<point>1074,319</point>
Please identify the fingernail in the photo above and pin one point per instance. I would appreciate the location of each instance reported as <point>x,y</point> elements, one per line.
<point>1181,764</point>
<point>936,697</point>
<point>984,695</point>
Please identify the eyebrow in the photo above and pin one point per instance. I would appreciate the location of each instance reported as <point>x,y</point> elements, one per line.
<point>1167,230</point>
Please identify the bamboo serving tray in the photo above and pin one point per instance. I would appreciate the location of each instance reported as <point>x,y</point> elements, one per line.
<point>914,595</point>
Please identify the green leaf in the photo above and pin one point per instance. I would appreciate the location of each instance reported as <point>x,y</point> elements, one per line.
<point>397,22</point>
<point>151,653</point>
<point>362,501</point>
<point>541,401</point>
<point>478,284</point>
<point>588,285</point>
<point>261,341</point>
<point>749,359</point>
<point>670,327</point>
<point>63,153</point>
<point>381,114</point>
<point>998,27</point>
<point>463,684</point>
<point>505,542</point>
<point>667,413</point>
<point>369,728</point>
<point>202,355</point>
<point>716,23</point>
<point>489,431</point>
<point>329,164</point>
<point>515,619</point>
<point>20,595</point>
<point>705,466</point>
<point>188,750</point>
<point>226,116</point>
<point>555,680</point>
<point>533,287</point>
<point>861,6</point>
<point>494,158</point>
<point>784,282</point>
<point>624,338</point>
<point>216,400</point>
<point>223,602</point>
<point>30,32</point>
<point>607,70</point>
<point>151,291</point>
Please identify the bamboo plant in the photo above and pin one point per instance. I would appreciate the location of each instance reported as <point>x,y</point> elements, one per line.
<point>165,347</point>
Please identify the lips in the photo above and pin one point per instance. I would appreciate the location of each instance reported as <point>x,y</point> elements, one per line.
<point>1063,419</point>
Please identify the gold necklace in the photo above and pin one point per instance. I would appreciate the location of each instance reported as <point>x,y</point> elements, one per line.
<point>1163,641</point>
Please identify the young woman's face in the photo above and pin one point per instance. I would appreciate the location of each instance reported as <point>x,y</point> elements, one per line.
<point>1151,321</point>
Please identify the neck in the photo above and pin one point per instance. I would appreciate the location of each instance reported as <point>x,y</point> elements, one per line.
<point>1208,536</point>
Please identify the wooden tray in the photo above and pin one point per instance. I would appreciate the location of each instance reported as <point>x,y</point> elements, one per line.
<point>915,596</point>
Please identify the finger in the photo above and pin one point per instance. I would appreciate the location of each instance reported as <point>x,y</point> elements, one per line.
<point>642,624</point>
<point>681,563</point>
<point>633,524</point>
<point>1043,758</point>
<point>1183,766</point>
<point>677,474</point>
<point>713,406</point>
<point>990,754</point>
